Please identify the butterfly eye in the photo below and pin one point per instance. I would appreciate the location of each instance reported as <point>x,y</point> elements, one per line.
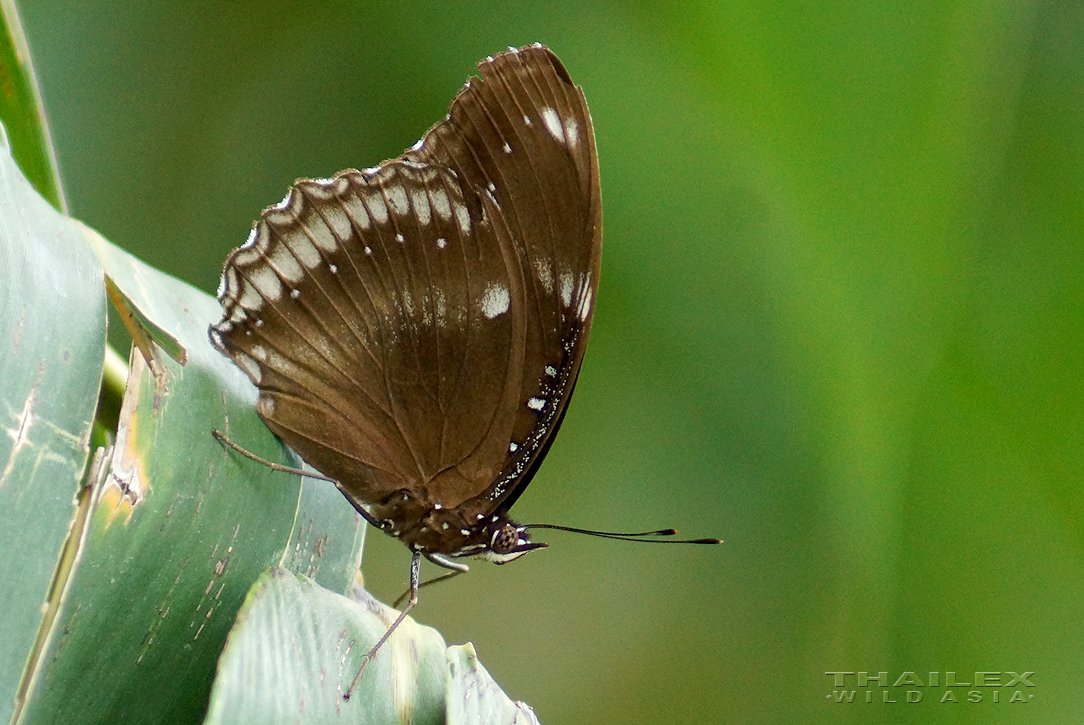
<point>508,543</point>
<point>505,539</point>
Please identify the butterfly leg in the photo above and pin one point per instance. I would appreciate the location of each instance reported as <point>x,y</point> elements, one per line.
<point>440,578</point>
<point>456,567</point>
<point>415,585</point>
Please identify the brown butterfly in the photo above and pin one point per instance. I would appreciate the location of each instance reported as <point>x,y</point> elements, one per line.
<point>415,329</point>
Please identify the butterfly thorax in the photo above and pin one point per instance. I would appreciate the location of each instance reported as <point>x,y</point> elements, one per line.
<point>454,532</point>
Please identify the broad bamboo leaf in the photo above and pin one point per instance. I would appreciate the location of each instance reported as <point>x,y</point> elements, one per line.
<point>22,113</point>
<point>297,647</point>
<point>52,324</point>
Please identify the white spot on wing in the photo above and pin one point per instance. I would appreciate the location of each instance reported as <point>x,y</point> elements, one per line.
<point>377,208</point>
<point>544,274</point>
<point>285,263</point>
<point>397,199</point>
<point>420,201</point>
<point>267,282</point>
<point>341,228</point>
<point>553,124</point>
<point>494,301</point>
<point>506,148</point>
<point>250,297</point>
<point>536,403</point>
<point>321,236</point>
<point>303,247</point>
<point>566,288</point>
<point>440,305</point>
<point>587,297</point>
<point>250,366</point>
<point>462,217</point>
<point>441,204</point>
<point>442,242</point>
<point>356,211</point>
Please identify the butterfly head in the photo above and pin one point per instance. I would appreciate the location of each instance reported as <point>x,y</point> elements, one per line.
<point>508,541</point>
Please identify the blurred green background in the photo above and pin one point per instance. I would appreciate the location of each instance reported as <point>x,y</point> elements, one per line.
<point>839,325</point>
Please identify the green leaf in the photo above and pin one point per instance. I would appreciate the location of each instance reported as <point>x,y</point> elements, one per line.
<point>163,548</point>
<point>297,647</point>
<point>473,697</point>
<point>52,323</point>
<point>21,110</point>
<point>179,529</point>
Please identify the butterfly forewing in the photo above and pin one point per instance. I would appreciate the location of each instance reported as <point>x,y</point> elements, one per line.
<point>419,326</point>
<point>523,132</point>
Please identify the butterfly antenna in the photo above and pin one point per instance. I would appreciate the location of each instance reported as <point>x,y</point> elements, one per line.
<point>647,537</point>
